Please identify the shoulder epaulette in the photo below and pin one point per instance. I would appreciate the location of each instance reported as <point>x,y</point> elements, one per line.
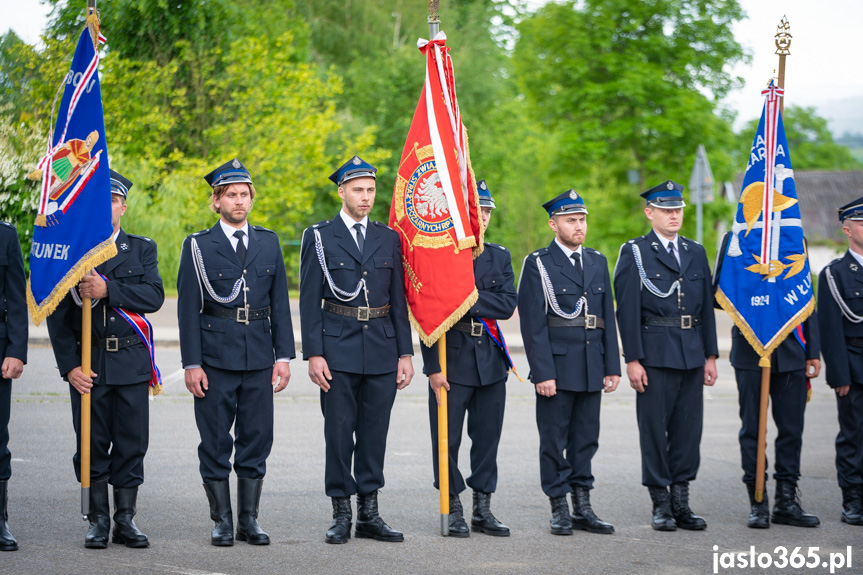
<point>137,237</point>
<point>597,252</point>
<point>263,229</point>
<point>498,246</point>
<point>320,224</point>
<point>638,239</point>
<point>383,225</point>
<point>201,233</point>
<point>7,224</point>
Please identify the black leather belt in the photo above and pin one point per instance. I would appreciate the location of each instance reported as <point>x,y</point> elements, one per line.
<point>239,314</point>
<point>683,321</point>
<point>587,322</point>
<point>358,313</point>
<point>474,328</point>
<point>854,341</point>
<point>3,316</point>
<point>115,343</point>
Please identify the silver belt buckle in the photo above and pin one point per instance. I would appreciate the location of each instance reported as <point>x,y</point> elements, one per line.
<point>112,344</point>
<point>475,328</point>
<point>363,313</point>
<point>686,322</point>
<point>589,321</point>
<point>243,314</point>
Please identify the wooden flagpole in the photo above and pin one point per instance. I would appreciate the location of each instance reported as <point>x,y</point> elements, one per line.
<point>86,342</point>
<point>783,43</point>
<point>442,419</point>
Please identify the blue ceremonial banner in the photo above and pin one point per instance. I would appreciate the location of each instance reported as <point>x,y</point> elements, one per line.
<point>764,283</point>
<point>73,231</point>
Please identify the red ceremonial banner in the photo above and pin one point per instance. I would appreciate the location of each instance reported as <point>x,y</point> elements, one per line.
<point>435,204</point>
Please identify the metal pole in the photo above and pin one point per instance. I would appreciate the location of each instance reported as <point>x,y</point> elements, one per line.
<point>442,418</point>
<point>434,20</point>
<point>783,49</point>
<point>86,339</point>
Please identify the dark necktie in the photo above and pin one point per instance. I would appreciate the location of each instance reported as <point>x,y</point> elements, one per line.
<point>241,246</point>
<point>671,252</point>
<point>576,260</point>
<point>361,240</point>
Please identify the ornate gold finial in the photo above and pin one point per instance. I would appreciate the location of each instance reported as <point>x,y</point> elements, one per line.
<point>433,8</point>
<point>783,37</point>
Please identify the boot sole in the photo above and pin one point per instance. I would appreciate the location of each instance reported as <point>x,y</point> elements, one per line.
<point>96,545</point>
<point>221,543</point>
<point>244,537</point>
<point>561,531</point>
<point>592,530</point>
<point>792,523</point>
<point>664,527</point>
<point>458,534</point>
<point>361,535</point>
<point>13,547</point>
<point>476,529</point>
<point>334,541</point>
<point>130,544</point>
<point>852,522</point>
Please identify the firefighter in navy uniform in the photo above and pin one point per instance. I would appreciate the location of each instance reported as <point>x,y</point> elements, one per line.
<point>790,367</point>
<point>477,369</point>
<point>120,377</point>
<point>357,340</point>
<point>236,342</point>
<point>13,351</point>
<point>840,317</point>
<point>567,324</point>
<point>667,326</point>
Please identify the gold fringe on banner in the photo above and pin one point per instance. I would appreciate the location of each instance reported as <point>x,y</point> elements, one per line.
<point>447,323</point>
<point>764,352</point>
<point>98,255</point>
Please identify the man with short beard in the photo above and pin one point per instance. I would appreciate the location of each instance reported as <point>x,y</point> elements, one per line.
<point>567,325</point>
<point>668,330</point>
<point>357,340</point>
<point>236,342</point>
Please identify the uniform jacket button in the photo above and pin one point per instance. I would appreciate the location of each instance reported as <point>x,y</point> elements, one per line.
<point>365,273</point>
<point>365,327</point>
<point>479,342</point>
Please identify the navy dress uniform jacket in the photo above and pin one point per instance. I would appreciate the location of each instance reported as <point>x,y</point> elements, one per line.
<point>476,361</point>
<point>844,362</point>
<point>349,345</point>
<point>133,284</point>
<point>662,346</point>
<point>13,330</point>
<point>225,343</point>
<point>578,358</point>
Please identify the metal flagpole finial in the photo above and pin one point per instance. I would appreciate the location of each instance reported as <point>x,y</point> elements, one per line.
<point>783,37</point>
<point>434,19</point>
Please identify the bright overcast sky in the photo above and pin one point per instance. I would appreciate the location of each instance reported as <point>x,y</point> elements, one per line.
<point>822,70</point>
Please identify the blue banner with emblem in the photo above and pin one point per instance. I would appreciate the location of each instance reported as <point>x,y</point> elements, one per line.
<point>73,230</point>
<point>765,283</point>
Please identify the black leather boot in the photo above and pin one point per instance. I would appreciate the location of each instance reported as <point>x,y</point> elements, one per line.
<point>248,503</point>
<point>125,530</point>
<point>683,515</point>
<point>99,516</point>
<point>369,523</point>
<point>219,496</point>
<point>457,524</point>
<point>662,519</point>
<point>340,528</point>
<point>583,516</point>
<point>787,510</point>
<point>483,520</point>
<point>561,522</point>
<point>759,514</point>
<point>852,505</point>
<point>7,540</point>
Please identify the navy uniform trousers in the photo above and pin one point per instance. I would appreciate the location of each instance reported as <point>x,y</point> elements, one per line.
<point>13,329</point>
<point>842,346</point>
<point>120,407</point>
<point>670,411</point>
<point>362,356</point>
<point>237,357</point>
<point>788,390</point>
<point>578,359</point>
<point>476,371</point>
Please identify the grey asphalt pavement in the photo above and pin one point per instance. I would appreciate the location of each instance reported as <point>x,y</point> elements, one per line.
<point>44,504</point>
